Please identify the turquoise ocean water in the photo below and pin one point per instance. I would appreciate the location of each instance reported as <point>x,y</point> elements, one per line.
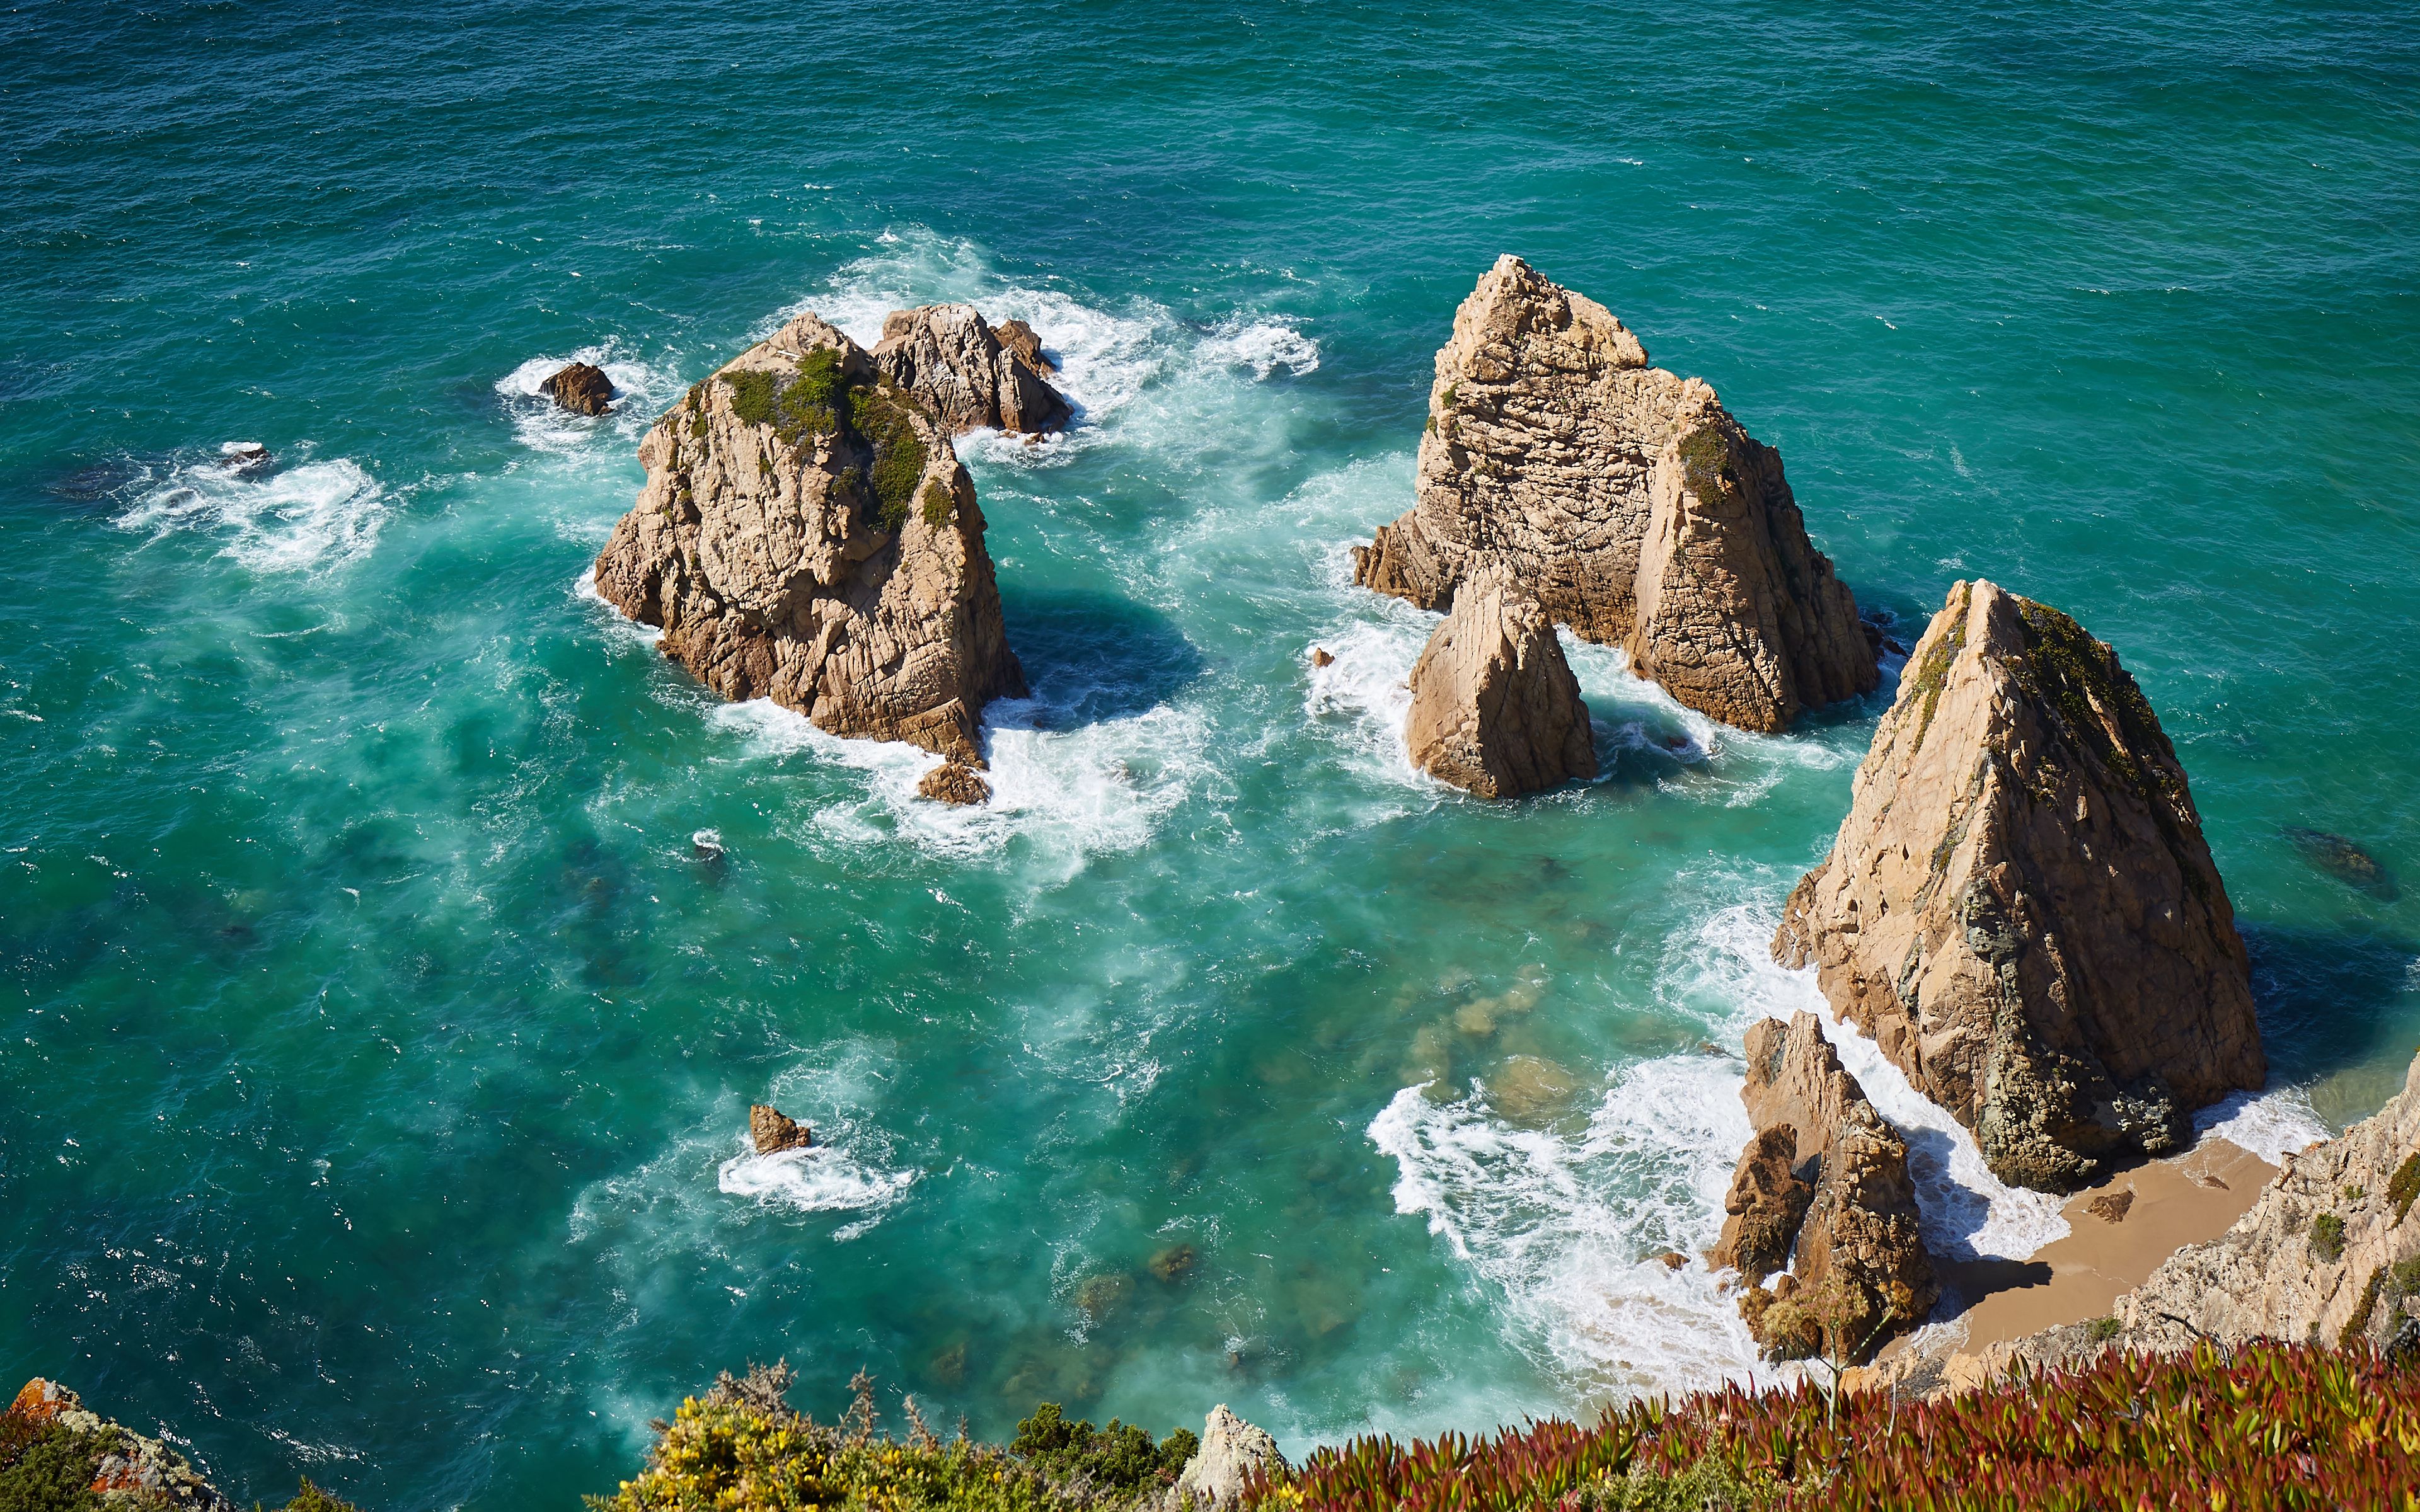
<point>380,1031</point>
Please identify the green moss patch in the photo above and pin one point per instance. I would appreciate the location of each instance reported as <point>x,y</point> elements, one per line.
<point>2327,1239</point>
<point>2404,1185</point>
<point>1932,674</point>
<point>1705,461</point>
<point>939,505</point>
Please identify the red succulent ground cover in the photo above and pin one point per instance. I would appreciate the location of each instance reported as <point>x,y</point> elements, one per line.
<point>2262,1427</point>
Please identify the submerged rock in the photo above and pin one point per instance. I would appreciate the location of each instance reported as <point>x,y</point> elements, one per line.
<point>773,1130</point>
<point>948,357</point>
<point>955,782</point>
<point>1823,1187</point>
<point>2345,861</point>
<point>1628,501</point>
<point>243,456</point>
<point>807,535</point>
<point>582,389</point>
<point>1495,710</point>
<point>2020,907</point>
<point>1232,1452</point>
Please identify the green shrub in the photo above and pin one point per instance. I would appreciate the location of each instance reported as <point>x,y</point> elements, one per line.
<point>2102,1330</point>
<point>45,1468</point>
<point>940,504</point>
<point>742,1448</point>
<point>2327,1238</point>
<point>2404,1186</point>
<point>311,1499</point>
<point>1119,1456</point>
<point>885,424</point>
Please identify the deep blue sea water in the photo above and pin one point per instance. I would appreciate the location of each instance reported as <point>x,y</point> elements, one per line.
<point>380,1033</point>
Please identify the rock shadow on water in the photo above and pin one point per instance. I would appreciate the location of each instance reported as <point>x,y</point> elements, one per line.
<point>1092,658</point>
<point>2330,1000</point>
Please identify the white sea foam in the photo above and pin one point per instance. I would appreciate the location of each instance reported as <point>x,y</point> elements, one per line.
<point>812,1181</point>
<point>1967,1212</point>
<point>1264,346</point>
<point>1109,358</point>
<point>2271,1124</point>
<point>1565,1225</point>
<point>312,515</point>
<point>641,392</point>
<point>617,626</point>
<point>1072,792</point>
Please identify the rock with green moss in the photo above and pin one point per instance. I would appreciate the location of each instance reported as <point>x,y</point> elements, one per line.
<point>56,1454</point>
<point>807,535</point>
<point>2020,907</point>
<point>1628,501</point>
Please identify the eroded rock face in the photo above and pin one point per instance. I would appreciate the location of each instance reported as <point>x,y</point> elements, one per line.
<point>1824,1187</point>
<point>951,357</point>
<point>1232,1450</point>
<point>582,389</point>
<point>807,535</point>
<point>773,1130</point>
<point>1019,338</point>
<point>2020,907</point>
<point>1495,710</point>
<point>1628,501</point>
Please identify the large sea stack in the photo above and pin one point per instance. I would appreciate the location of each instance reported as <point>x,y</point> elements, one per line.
<point>807,535</point>
<point>1629,501</point>
<point>2020,907</point>
<point>1495,710</point>
<point>1821,1190</point>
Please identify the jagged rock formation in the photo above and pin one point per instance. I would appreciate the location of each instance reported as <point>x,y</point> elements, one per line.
<point>952,782</point>
<point>1823,1188</point>
<point>1019,338</point>
<point>1232,1450</point>
<point>582,389</point>
<point>128,1469</point>
<point>773,1130</point>
<point>948,357</point>
<point>1629,501</point>
<point>2020,907</point>
<point>807,535</point>
<point>1495,707</point>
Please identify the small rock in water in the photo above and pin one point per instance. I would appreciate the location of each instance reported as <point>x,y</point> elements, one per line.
<point>706,845</point>
<point>1322,656</point>
<point>1175,1262</point>
<point>2209,1179</point>
<point>2345,861</point>
<point>1673,1259</point>
<point>582,389</point>
<point>774,1131</point>
<point>2111,1206</point>
<point>955,782</point>
<point>243,456</point>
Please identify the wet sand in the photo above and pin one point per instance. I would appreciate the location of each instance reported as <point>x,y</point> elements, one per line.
<point>2181,1200</point>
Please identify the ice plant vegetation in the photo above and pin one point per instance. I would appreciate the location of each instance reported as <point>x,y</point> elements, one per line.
<point>2263,1427</point>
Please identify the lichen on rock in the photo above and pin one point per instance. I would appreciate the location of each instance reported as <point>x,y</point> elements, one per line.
<point>807,535</point>
<point>1628,501</point>
<point>2020,907</point>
